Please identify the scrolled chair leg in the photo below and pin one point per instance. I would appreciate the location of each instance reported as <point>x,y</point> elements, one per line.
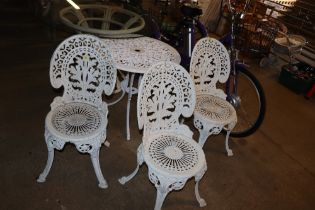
<point>52,143</point>
<point>50,159</point>
<point>160,197</point>
<point>164,185</point>
<point>228,132</point>
<point>203,132</point>
<point>96,165</point>
<point>201,201</point>
<point>203,136</point>
<point>125,179</point>
<point>206,132</point>
<point>229,152</point>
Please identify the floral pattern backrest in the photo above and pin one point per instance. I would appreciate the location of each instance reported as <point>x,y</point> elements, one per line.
<point>166,92</point>
<point>209,64</point>
<point>84,67</point>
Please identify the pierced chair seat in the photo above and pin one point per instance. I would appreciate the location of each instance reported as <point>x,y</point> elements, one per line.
<point>80,124</point>
<point>214,110</point>
<point>76,121</point>
<point>174,155</point>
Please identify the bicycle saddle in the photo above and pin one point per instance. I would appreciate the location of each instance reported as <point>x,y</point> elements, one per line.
<point>189,10</point>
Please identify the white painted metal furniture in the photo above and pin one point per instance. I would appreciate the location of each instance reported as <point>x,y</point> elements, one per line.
<point>102,20</point>
<point>210,63</point>
<point>83,66</point>
<point>136,56</point>
<point>167,92</point>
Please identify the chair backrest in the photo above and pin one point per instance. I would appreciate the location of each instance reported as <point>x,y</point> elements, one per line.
<point>166,92</point>
<point>84,67</point>
<point>210,63</point>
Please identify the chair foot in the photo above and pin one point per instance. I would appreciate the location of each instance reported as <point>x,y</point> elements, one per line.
<point>229,152</point>
<point>103,185</point>
<point>41,178</point>
<point>123,180</point>
<point>202,202</point>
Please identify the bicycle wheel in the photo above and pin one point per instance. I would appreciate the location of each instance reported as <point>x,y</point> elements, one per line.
<point>251,104</point>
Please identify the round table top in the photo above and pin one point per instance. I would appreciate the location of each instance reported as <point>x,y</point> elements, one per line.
<point>137,55</point>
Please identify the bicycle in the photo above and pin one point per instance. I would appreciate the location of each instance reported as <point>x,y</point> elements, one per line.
<point>244,90</point>
<point>185,34</point>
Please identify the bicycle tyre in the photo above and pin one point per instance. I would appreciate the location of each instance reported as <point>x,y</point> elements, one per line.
<point>251,123</point>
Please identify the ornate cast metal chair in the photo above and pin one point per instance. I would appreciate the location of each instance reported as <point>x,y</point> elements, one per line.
<point>210,63</point>
<point>83,66</point>
<point>166,92</point>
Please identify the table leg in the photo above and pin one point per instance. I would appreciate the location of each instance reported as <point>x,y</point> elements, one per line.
<point>130,92</point>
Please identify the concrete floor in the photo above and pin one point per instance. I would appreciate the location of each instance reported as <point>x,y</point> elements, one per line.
<point>272,169</point>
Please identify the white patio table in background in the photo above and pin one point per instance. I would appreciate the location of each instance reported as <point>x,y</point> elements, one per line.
<point>135,56</point>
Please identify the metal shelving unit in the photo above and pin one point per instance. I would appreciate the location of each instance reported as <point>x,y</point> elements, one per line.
<point>299,18</point>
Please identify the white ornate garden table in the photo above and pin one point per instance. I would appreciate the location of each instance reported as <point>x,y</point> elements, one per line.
<point>135,56</point>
